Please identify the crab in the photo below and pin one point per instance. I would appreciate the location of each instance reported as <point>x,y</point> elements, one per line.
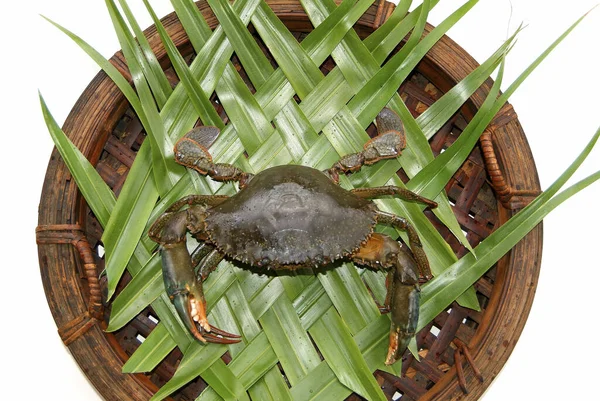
<point>291,217</point>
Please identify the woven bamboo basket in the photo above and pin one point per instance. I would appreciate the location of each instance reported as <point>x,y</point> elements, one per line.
<point>498,178</point>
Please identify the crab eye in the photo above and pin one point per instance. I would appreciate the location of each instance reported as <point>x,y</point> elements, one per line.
<point>179,156</point>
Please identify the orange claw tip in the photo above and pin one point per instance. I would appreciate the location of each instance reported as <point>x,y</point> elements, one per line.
<point>211,338</point>
<point>392,356</point>
<point>223,333</point>
<point>198,336</point>
<point>390,360</point>
<point>182,304</point>
<point>398,344</point>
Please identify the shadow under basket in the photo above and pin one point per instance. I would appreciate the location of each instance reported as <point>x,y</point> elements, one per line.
<point>106,130</point>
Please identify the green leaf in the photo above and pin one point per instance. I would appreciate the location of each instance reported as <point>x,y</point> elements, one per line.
<point>293,60</point>
<point>343,356</point>
<point>289,340</point>
<point>254,361</point>
<point>320,384</point>
<point>140,254</point>
<point>360,335</point>
<point>140,292</point>
<point>220,379</point>
<point>151,352</point>
<point>147,285</point>
<point>161,88</point>
<point>419,151</point>
<point>417,32</point>
<point>344,283</point>
<point>439,292</point>
<point>385,38</point>
<point>434,177</point>
<point>198,358</point>
<point>293,129</point>
<point>367,102</point>
<point>272,386</point>
<point>444,210</point>
<point>201,102</point>
<point>166,171</point>
<point>98,195</point>
<point>255,64</point>
<point>108,68</point>
<point>128,220</point>
<point>443,109</point>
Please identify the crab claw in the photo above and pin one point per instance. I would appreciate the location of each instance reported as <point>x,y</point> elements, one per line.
<point>192,312</point>
<point>187,296</point>
<point>404,296</point>
<point>399,340</point>
<point>404,317</point>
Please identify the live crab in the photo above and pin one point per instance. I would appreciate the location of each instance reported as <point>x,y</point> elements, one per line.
<point>289,217</point>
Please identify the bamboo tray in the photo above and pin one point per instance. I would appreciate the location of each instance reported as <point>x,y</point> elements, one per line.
<point>103,127</point>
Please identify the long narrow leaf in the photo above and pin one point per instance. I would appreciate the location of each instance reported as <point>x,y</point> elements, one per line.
<point>436,174</point>
<point>364,105</point>
<point>166,171</point>
<point>128,220</point>
<point>140,254</point>
<point>161,88</point>
<point>197,359</point>
<point>296,132</point>
<point>201,102</point>
<point>292,58</point>
<point>152,351</point>
<point>140,292</point>
<point>108,68</point>
<point>383,40</point>
<point>432,179</point>
<point>99,196</point>
<point>468,269</point>
<point>220,379</point>
<point>344,357</point>
<point>438,113</point>
<point>289,340</point>
<point>131,217</point>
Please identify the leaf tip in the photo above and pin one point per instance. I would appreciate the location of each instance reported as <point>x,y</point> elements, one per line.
<point>591,9</point>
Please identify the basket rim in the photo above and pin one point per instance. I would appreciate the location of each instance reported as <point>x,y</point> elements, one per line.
<point>455,69</point>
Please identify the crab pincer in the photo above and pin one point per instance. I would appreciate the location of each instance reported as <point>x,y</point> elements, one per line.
<point>187,296</point>
<point>403,292</point>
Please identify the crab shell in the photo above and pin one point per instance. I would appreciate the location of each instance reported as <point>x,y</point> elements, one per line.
<point>288,217</point>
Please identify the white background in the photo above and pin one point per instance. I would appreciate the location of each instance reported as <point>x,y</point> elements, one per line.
<point>558,108</point>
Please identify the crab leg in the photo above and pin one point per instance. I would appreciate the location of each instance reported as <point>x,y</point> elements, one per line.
<point>403,293</point>
<point>402,193</point>
<point>387,145</point>
<point>181,284</point>
<point>208,200</point>
<point>413,240</point>
<point>190,152</point>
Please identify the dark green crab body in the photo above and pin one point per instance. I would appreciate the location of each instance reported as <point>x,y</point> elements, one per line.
<point>290,217</point>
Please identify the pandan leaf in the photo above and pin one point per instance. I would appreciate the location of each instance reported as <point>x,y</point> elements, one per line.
<point>89,182</point>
